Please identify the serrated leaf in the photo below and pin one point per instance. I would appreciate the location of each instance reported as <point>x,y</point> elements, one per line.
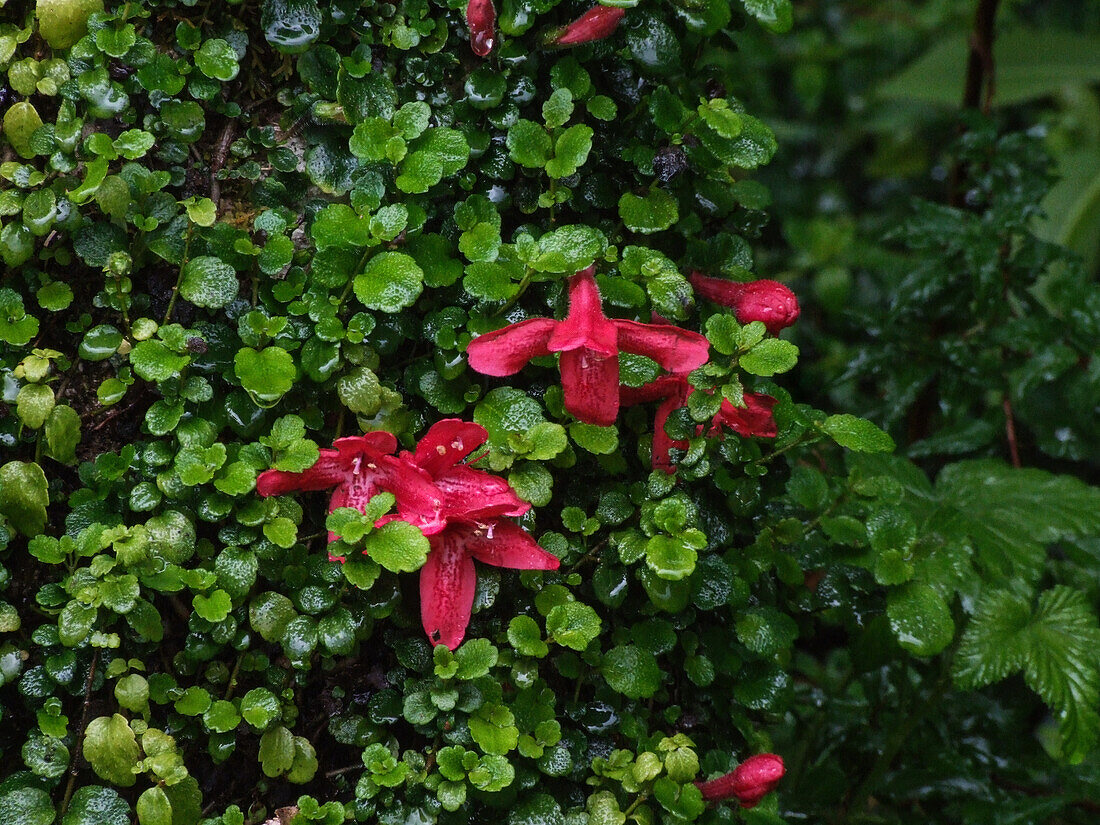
<point>1055,645</point>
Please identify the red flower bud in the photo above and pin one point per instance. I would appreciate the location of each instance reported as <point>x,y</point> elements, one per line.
<point>481,17</point>
<point>595,24</point>
<point>767,301</point>
<point>748,783</point>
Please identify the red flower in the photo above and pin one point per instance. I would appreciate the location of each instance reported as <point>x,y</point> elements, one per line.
<point>481,17</point>
<point>589,343</point>
<point>748,783</point>
<point>754,419</point>
<point>473,525</point>
<point>595,24</point>
<point>360,467</point>
<point>767,301</point>
<point>462,511</point>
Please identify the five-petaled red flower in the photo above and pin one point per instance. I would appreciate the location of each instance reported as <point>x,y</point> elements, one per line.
<point>589,343</point>
<point>753,419</point>
<point>595,24</point>
<point>768,301</point>
<point>748,783</point>
<point>473,524</point>
<point>481,17</point>
<point>462,511</point>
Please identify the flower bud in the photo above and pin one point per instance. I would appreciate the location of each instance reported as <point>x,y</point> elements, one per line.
<point>481,17</point>
<point>768,301</point>
<point>748,783</point>
<point>595,24</point>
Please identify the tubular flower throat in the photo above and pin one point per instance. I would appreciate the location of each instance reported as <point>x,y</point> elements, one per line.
<point>589,343</point>
<point>768,301</point>
<point>753,419</point>
<point>748,783</point>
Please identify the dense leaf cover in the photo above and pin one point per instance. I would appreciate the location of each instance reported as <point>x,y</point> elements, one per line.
<point>575,556</point>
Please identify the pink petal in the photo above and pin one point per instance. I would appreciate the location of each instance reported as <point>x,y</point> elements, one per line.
<point>754,419</point>
<point>675,349</point>
<point>447,585</point>
<point>585,326</point>
<point>770,302</point>
<point>419,501</point>
<point>595,24</point>
<point>447,443</point>
<point>504,544</point>
<point>481,17</point>
<point>589,381</point>
<point>378,442</point>
<point>475,494</point>
<point>328,470</point>
<point>506,351</point>
<point>665,386</point>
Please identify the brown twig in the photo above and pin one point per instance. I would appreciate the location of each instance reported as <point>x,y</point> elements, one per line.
<point>980,84</point>
<point>73,769</point>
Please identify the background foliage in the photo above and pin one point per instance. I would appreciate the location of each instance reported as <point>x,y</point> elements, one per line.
<point>233,232</point>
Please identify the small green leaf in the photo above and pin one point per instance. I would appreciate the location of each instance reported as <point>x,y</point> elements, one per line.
<point>24,496</point>
<point>529,144</point>
<point>398,546</point>
<point>857,434</point>
<point>209,282</point>
<point>111,749</point>
<point>921,619</point>
<point>573,625</point>
<point>217,60</point>
<point>390,282</point>
<point>653,213</point>
<point>769,357</point>
<point>266,374</point>
<point>632,671</point>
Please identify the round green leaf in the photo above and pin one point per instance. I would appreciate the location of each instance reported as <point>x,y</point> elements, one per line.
<point>573,625</point>
<point>920,619</point>
<point>398,546</point>
<point>266,374</point>
<point>390,282</point>
<point>209,282</point>
<point>631,671</point>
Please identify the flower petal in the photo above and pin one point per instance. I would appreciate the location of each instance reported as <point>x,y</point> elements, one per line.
<point>754,419</point>
<point>504,544</point>
<point>506,351</point>
<point>588,380</point>
<point>585,326</point>
<point>327,471</point>
<point>419,501</point>
<point>675,349</point>
<point>665,386</point>
<point>475,495</point>
<point>447,443</point>
<point>447,585</point>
